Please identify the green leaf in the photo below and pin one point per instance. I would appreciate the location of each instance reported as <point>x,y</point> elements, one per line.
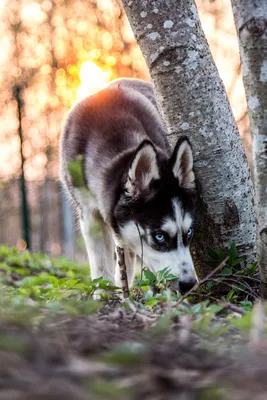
<point>209,284</point>
<point>149,275</point>
<point>227,271</point>
<point>145,288</point>
<point>233,253</point>
<point>75,169</point>
<point>246,305</point>
<point>152,302</point>
<point>149,294</point>
<point>214,308</point>
<point>243,324</point>
<point>196,308</point>
<point>216,255</point>
<point>163,325</point>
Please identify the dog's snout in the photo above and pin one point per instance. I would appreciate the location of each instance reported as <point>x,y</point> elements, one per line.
<point>184,287</point>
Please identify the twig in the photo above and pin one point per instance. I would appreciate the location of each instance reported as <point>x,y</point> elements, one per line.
<point>207,278</point>
<point>123,272</point>
<point>142,249</point>
<point>240,282</point>
<point>233,286</point>
<point>131,305</point>
<point>145,319</point>
<point>232,307</point>
<point>244,277</point>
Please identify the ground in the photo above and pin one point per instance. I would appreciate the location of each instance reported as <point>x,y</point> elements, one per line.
<point>58,343</point>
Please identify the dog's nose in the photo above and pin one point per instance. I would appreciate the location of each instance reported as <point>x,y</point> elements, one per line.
<point>184,287</point>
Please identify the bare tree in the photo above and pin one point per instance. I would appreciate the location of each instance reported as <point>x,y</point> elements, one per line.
<point>193,101</point>
<point>251,23</point>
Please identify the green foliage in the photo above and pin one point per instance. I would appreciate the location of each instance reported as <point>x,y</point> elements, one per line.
<point>234,283</point>
<point>243,324</point>
<point>153,287</point>
<point>44,280</point>
<point>217,256</point>
<point>157,281</point>
<point>36,288</point>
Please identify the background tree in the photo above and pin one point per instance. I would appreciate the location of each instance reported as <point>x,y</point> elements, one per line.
<point>251,24</point>
<point>55,51</point>
<point>193,102</point>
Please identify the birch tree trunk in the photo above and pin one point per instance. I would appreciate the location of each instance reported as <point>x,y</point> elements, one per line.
<point>251,23</point>
<point>193,101</point>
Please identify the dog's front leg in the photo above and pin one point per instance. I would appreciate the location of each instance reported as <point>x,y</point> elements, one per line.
<point>100,246</point>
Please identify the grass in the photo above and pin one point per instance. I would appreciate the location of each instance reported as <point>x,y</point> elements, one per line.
<point>46,280</point>
<point>112,348</point>
<point>58,284</point>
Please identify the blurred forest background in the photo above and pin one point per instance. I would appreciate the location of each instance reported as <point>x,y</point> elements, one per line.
<point>53,53</point>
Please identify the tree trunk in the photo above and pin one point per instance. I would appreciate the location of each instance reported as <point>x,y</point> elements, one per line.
<point>25,213</point>
<point>193,101</point>
<point>251,23</point>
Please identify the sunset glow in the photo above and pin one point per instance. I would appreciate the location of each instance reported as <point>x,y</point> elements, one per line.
<point>92,79</point>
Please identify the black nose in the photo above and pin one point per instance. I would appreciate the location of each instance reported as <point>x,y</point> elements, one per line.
<point>184,287</point>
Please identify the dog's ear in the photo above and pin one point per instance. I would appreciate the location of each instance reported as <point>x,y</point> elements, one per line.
<point>182,164</point>
<point>143,169</point>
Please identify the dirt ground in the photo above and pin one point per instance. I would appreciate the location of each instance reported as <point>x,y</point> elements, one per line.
<point>122,355</point>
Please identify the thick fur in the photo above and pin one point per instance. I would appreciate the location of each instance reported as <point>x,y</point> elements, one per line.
<point>136,185</point>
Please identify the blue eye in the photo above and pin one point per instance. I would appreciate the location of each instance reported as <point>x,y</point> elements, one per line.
<point>190,233</point>
<point>160,237</point>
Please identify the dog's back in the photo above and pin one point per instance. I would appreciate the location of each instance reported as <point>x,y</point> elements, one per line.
<point>112,121</point>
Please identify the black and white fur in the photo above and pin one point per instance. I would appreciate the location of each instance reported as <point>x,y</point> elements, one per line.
<point>136,185</point>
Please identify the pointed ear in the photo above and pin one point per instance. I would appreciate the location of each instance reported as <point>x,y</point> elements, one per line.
<point>143,169</point>
<point>182,164</point>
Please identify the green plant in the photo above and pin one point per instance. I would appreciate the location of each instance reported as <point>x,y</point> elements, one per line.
<point>153,287</point>
<point>234,283</point>
<point>46,280</point>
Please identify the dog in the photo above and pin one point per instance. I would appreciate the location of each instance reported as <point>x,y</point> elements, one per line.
<point>138,192</point>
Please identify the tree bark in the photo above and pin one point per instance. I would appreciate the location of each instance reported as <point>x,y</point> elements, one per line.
<point>251,23</point>
<point>25,212</point>
<point>193,101</point>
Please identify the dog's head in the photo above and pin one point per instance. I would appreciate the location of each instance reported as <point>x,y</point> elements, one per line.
<point>158,203</point>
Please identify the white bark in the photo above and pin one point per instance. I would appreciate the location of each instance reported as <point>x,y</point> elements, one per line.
<point>193,102</point>
<point>251,23</point>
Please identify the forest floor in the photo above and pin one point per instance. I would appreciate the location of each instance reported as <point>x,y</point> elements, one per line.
<point>58,343</point>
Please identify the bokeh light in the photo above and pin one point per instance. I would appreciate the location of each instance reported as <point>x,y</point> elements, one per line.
<point>92,79</point>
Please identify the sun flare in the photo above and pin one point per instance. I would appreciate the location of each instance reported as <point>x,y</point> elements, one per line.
<point>92,79</point>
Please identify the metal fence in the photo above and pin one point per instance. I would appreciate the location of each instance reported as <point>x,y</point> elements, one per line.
<point>53,227</point>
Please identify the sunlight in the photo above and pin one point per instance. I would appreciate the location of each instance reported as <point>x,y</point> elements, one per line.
<point>92,79</point>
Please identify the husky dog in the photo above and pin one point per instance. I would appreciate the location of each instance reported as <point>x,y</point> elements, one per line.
<point>141,195</point>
